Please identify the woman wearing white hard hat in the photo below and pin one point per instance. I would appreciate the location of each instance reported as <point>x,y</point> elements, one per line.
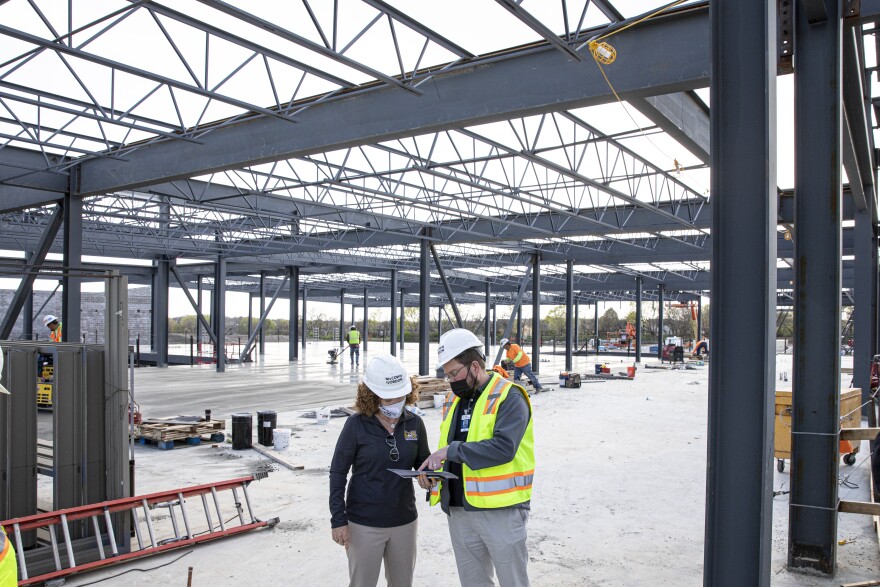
<point>376,520</point>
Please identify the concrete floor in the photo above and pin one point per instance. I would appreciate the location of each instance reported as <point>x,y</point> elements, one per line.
<point>612,507</point>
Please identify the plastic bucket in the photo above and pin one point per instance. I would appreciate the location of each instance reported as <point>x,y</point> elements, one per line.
<point>281,438</point>
<point>241,430</point>
<point>631,372</point>
<point>438,400</point>
<point>322,416</point>
<point>266,422</point>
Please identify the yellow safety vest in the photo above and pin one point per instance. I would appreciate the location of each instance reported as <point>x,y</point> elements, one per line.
<point>518,356</point>
<point>354,337</point>
<point>55,335</point>
<point>8,564</point>
<point>502,485</point>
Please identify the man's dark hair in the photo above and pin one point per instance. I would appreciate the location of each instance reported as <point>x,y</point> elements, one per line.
<point>470,355</point>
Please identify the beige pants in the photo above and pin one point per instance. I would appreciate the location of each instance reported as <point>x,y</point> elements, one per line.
<point>485,539</point>
<point>370,546</point>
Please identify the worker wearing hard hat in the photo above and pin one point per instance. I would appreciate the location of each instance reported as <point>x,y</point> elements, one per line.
<point>354,346</point>
<point>376,520</point>
<point>54,326</point>
<point>521,363</point>
<point>486,439</point>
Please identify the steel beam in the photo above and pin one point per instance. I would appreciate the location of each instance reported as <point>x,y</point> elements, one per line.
<point>857,121</point>
<point>449,297</point>
<point>71,292</point>
<point>200,319</point>
<point>739,470</point>
<point>682,116</point>
<point>29,273</point>
<point>424,307</point>
<point>674,49</point>
<point>816,384</point>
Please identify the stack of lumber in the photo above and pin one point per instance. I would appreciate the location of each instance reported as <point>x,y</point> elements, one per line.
<point>178,428</point>
<point>428,388</point>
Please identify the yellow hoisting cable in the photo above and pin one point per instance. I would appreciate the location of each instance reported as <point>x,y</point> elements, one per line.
<point>604,53</point>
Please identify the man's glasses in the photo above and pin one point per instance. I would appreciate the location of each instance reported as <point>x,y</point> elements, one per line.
<point>453,375</point>
<point>394,455</point>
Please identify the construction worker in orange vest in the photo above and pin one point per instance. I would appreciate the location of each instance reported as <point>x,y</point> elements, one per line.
<point>521,363</point>
<point>54,326</point>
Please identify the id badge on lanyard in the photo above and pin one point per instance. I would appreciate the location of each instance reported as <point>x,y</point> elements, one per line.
<point>466,417</point>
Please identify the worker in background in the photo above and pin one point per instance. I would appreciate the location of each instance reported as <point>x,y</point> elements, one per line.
<point>8,564</point>
<point>521,363</point>
<point>377,520</point>
<point>354,346</point>
<point>54,326</point>
<point>486,440</point>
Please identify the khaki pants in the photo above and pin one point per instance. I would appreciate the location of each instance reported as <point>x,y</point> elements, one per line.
<point>370,546</point>
<point>487,538</point>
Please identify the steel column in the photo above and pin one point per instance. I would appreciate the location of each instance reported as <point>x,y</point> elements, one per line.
<point>638,319</point>
<point>402,321</point>
<point>865,310</point>
<point>699,319</point>
<point>569,311</point>
<point>494,323</point>
<point>660,321</point>
<point>596,324</point>
<point>199,309</point>
<point>262,312</point>
<point>489,324</point>
<point>71,294</point>
<point>250,319</point>
<point>160,312</point>
<point>27,321</point>
<point>577,308</point>
<point>219,302</point>
<point>304,319</point>
<point>293,315</point>
<point>743,186</point>
<point>342,337</point>
<point>365,334</point>
<point>424,307</point>
<point>518,311</point>
<point>392,323</point>
<point>536,313</point>
<point>439,322</point>
<point>815,421</point>
<point>30,273</point>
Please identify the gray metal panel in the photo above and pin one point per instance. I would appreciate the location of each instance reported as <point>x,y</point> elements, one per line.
<point>658,57</point>
<point>18,439</point>
<point>816,383</point>
<point>68,402</point>
<point>739,467</point>
<point>96,431</point>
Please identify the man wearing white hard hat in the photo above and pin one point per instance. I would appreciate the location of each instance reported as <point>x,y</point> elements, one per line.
<point>486,439</point>
<point>522,364</point>
<point>376,520</point>
<point>54,326</point>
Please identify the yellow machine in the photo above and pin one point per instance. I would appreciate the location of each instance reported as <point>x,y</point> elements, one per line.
<point>44,385</point>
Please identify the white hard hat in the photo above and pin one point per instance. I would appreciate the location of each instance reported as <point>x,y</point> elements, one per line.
<point>454,342</point>
<point>49,319</point>
<point>387,378</point>
<point>353,327</point>
<point>503,341</point>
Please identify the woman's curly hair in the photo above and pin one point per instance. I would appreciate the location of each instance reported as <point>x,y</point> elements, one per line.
<point>367,402</point>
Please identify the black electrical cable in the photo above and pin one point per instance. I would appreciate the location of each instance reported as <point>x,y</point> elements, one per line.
<point>138,570</point>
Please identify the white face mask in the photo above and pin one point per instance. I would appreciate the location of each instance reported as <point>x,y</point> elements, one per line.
<point>393,410</point>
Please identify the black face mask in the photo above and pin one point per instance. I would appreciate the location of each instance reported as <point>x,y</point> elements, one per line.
<point>462,387</point>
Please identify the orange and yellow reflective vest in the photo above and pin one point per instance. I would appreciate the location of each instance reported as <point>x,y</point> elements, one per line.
<point>55,335</point>
<point>517,355</point>
<point>502,485</point>
<point>8,564</point>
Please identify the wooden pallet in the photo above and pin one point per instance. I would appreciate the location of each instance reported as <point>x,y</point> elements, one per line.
<point>429,386</point>
<point>177,429</point>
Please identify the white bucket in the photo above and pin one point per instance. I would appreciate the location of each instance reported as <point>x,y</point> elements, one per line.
<point>438,400</point>
<point>281,438</point>
<point>322,416</point>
